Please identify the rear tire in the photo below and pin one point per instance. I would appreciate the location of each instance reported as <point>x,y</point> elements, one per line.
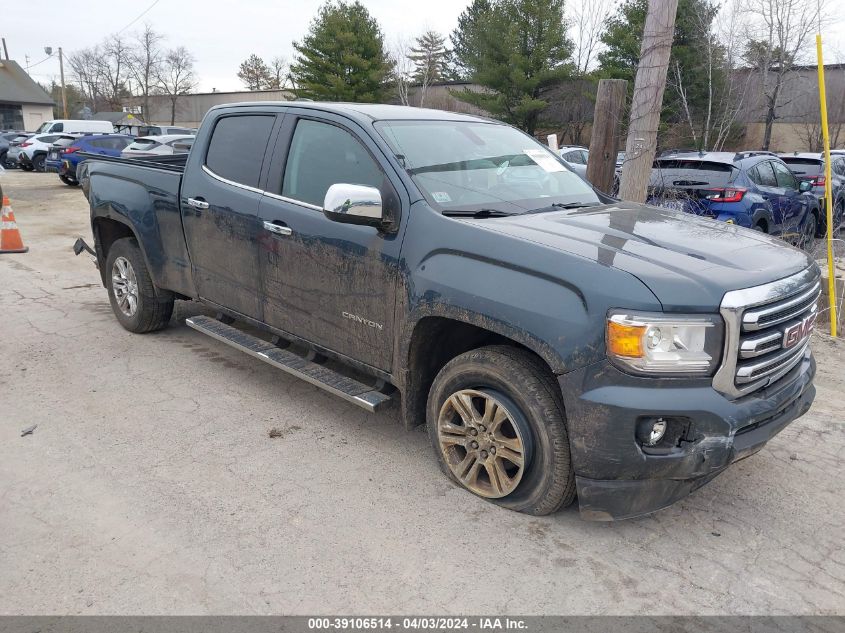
<point>808,235</point>
<point>138,305</point>
<point>70,182</point>
<point>38,162</point>
<point>496,402</point>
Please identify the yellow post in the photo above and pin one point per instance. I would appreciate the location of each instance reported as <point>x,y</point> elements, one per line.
<point>828,195</point>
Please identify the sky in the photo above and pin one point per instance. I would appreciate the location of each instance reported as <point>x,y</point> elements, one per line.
<point>221,38</point>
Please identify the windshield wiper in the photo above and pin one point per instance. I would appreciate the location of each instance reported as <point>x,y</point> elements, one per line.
<point>574,205</point>
<point>478,213</point>
<point>564,205</point>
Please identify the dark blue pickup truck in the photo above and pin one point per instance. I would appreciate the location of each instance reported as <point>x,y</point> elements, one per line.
<point>553,340</point>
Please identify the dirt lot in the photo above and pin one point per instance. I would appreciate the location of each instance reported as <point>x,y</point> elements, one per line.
<point>151,484</point>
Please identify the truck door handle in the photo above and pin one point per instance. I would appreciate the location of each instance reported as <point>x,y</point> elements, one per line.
<point>277,228</point>
<point>197,203</point>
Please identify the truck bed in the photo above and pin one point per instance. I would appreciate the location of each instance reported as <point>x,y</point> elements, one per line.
<point>175,162</point>
<point>143,193</point>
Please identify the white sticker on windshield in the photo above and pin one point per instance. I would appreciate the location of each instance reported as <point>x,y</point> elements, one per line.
<point>441,196</point>
<point>544,160</point>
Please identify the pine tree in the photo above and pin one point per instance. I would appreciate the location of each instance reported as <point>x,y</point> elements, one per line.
<point>429,57</point>
<point>518,50</point>
<point>254,73</point>
<point>343,57</point>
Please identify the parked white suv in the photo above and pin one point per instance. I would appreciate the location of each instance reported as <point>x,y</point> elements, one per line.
<point>158,146</point>
<point>31,154</point>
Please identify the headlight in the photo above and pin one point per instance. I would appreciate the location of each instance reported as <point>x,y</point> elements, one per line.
<point>664,344</point>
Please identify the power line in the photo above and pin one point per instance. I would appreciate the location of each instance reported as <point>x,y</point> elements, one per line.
<point>41,62</point>
<point>147,10</point>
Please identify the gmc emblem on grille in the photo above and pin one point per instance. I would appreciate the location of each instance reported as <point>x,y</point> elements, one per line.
<point>794,334</point>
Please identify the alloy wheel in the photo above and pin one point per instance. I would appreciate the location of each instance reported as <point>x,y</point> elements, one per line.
<point>125,286</point>
<point>484,445</point>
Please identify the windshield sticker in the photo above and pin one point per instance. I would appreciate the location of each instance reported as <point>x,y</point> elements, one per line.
<point>441,196</point>
<point>544,160</point>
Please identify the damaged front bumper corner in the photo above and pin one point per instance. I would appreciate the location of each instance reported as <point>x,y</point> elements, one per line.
<point>618,478</point>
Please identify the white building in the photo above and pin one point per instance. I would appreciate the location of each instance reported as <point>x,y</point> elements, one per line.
<point>23,103</point>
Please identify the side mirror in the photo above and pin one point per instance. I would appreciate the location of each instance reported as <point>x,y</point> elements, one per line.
<point>804,186</point>
<point>353,204</point>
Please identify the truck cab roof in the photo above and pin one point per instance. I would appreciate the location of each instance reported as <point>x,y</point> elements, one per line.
<point>366,112</point>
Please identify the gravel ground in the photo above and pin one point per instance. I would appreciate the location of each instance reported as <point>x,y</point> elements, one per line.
<point>152,486</point>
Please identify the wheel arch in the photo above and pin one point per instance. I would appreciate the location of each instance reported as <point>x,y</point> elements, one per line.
<point>438,338</point>
<point>108,230</point>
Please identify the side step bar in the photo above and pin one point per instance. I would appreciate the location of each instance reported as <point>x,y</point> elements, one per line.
<point>349,389</point>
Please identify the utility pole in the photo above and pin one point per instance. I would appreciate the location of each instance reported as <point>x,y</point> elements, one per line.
<point>62,74</point>
<point>648,99</point>
<point>604,139</point>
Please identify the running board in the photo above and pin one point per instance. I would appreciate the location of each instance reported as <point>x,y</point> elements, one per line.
<point>349,389</point>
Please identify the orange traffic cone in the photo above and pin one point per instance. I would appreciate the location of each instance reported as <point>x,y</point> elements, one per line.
<point>10,236</point>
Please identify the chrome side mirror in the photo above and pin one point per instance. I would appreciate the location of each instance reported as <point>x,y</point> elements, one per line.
<point>804,186</point>
<point>353,204</point>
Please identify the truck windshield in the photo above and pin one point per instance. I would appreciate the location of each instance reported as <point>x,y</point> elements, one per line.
<point>468,165</point>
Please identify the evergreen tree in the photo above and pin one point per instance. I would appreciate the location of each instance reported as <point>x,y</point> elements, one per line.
<point>695,78</point>
<point>429,58</point>
<point>518,50</point>
<point>254,73</point>
<point>343,57</point>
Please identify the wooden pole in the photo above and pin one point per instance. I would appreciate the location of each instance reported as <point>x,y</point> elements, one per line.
<point>62,72</point>
<point>604,139</point>
<point>647,101</point>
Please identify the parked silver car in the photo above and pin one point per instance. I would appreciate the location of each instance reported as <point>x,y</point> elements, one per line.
<point>159,146</point>
<point>575,157</point>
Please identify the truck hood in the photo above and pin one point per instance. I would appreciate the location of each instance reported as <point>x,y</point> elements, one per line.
<point>687,262</point>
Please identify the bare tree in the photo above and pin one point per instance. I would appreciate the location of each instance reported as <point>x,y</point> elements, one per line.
<point>144,63</point>
<point>732,99</point>
<point>779,34</point>
<point>587,19</point>
<point>85,71</point>
<point>176,76</point>
<point>279,73</point>
<point>403,68</point>
<point>114,70</point>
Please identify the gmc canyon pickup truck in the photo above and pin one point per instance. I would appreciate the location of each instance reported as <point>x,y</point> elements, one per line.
<point>554,341</point>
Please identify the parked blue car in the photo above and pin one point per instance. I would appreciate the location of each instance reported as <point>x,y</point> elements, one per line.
<point>65,160</point>
<point>752,189</point>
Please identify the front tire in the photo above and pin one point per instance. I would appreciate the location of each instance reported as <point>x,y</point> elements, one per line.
<point>496,421</point>
<point>138,305</point>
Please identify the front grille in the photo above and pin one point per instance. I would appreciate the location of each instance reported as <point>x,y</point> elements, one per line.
<point>767,332</point>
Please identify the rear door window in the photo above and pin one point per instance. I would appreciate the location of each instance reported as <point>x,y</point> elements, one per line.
<point>322,155</point>
<point>237,147</point>
<point>764,175</point>
<point>784,177</point>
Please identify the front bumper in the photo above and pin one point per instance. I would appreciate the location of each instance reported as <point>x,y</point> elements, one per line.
<point>617,478</point>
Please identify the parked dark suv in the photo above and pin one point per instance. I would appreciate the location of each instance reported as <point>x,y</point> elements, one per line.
<point>810,167</point>
<point>753,189</point>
